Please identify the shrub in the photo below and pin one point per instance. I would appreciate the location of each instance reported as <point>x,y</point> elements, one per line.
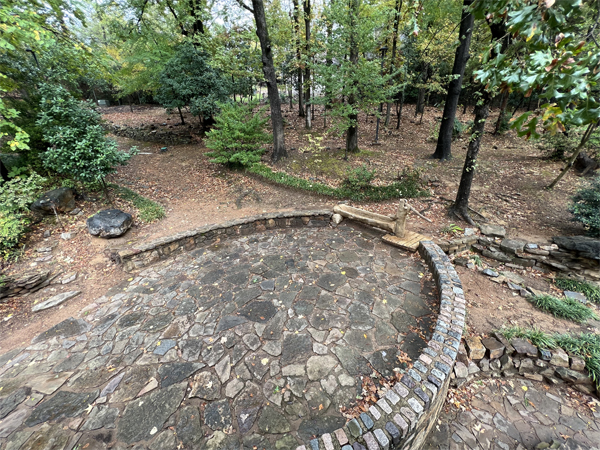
<point>585,206</point>
<point>457,129</point>
<point>17,194</point>
<point>238,135</point>
<point>591,291</point>
<point>566,308</point>
<point>78,145</point>
<point>358,179</point>
<point>12,226</point>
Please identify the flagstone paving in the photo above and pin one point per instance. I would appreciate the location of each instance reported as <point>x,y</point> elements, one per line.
<point>515,413</point>
<point>253,342</point>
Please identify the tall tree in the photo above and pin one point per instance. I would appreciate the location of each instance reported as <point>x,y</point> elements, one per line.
<point>307,84</point>
<point>258,10</point>
<point>299,86</point>
<point>443,149</point>
<point>397,10</point>
<point>352,132</point>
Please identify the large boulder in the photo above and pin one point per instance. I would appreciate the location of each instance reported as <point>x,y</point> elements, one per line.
<point>109,223</point>
<point>585,246</point>
<point>63,199</point>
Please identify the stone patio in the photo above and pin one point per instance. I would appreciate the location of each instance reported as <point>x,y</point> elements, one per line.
<point>253,342</point>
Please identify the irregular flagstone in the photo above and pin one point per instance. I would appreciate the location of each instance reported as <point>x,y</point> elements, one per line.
<point>48,384</point>
<point>13,421</point>
<point>217,415</point>
<point>206,385</point>
<point>272,421</point>
<point>101,417</point>
<point>144,418</point>
<point>49,437</point>
<point>188,428</point>
<point>66,328</point>
<point>174,373</point>
<point>63,404</point>
<point>10,402</point>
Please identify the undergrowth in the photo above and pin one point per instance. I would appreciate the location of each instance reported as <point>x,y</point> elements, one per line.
<point>407,187</point>
<point>566,308</point>
<point>149,211</point>
<point>591,291</point>
<point>584,345</point>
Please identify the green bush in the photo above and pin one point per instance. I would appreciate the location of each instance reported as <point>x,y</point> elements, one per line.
<point>12,226</point>
<point>591,291</point>
<point>238,135</point>
<point>78,145</point>
<point>408,187</point>
<point>359,179</point>
<point>17,194</point>
<point>457,129</point>
<point>566,308</point>
<point>585,206</point>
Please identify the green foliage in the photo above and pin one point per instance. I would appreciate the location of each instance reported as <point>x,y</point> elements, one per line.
<point>18,193</point>
<point>189,80</point>
<point>15,197</point>
<point>585,206</point>
<point>537,337</point>
<point>405,188</point>
<point>584,345</point>
<point>12,227</point>
<point>458,128</point>
<point>452,228</point>
<point>148,210</point>
<point>555,58</point>
<point>238,135</point>
<point>358,179</point>
<point>78,146</point>
<point>566,308</point>
<point>591,291</point>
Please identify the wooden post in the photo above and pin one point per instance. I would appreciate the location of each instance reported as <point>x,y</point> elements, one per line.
<point>400,219</point>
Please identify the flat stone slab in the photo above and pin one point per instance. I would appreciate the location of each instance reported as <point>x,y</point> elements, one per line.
<point>55,301</point>
<point>254,341</point>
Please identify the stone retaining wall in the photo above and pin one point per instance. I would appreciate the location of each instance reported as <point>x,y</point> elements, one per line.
<point>12,286</point>
<point>139,256</point>
<point>405,415</point>
<point>496,357</point>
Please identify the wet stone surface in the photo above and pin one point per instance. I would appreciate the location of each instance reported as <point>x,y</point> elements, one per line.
<point>254,342</point>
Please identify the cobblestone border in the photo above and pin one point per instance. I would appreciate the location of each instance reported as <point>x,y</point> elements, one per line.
<point>406,414</point>
<point>142,255</point>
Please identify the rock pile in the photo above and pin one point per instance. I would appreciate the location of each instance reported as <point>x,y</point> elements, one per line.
<point>497,357</point>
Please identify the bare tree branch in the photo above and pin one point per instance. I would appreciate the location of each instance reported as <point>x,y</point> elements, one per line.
<point>243,5</point>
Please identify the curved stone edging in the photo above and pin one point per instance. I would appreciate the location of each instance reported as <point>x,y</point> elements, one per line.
<point>404,417</point>
<point>142,255</point>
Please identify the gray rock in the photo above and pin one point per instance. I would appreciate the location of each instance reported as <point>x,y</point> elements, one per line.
<point>55,300</point>
<point>586,246</point>
<point>273,421</point>
<point>493,230</point>
<point>189,429</point>
<point>460,370</point>
<point>217,415</point>
<point>66,328</point>
<point>572,376</point>
<point>512,246</point>
<point>63,404</point>
<point>142,419</point>
<point>61,199</point>
<point>101,417</point>
<point>576,296</point>
<point>11,401</point>
<point>318,367</point>
<point>559,358</point>
<point>109,223</point>
<point>175,372</point>
<point>490,273</point>
<point>523,347</point>
<point>206,385</point>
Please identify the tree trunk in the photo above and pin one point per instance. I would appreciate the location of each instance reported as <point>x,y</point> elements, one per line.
<point>586,136</point>
<point>3,171</point>
<point>399,107</point>
<point>443,149</point>
<point>308,114</point>
<point>352,133</point>
<point>271,78</point>
<point>181,115</point>
<point>461,205</point>
<point>397,10</point>
<point>298,59</point>
<point>502,113</point>
<point>421,98</point>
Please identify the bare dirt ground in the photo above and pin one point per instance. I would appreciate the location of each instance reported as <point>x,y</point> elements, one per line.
<point>508,190</point>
